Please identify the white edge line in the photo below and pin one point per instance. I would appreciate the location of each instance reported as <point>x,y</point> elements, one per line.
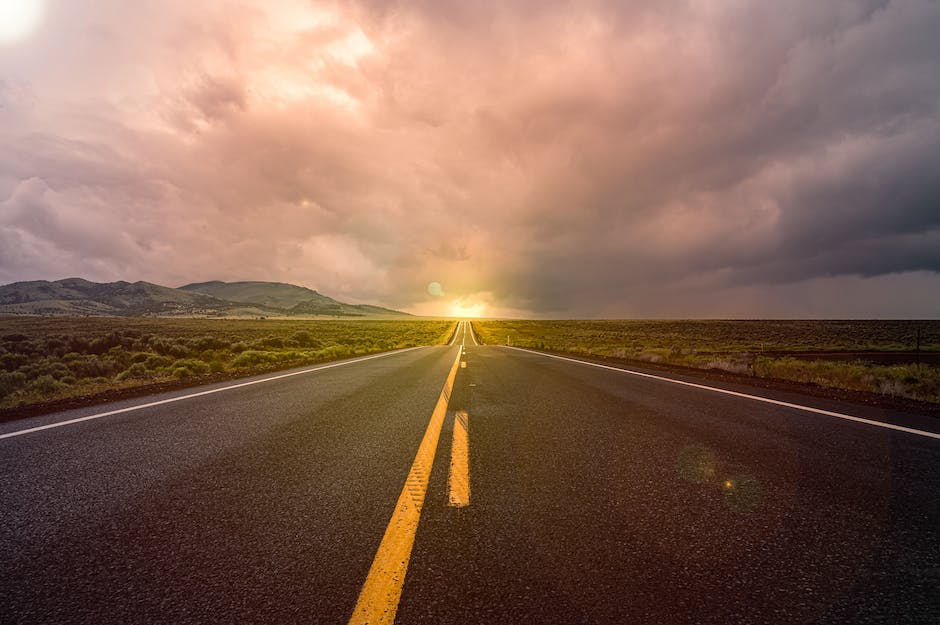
<point>49,426</point>
<point>766,400</point>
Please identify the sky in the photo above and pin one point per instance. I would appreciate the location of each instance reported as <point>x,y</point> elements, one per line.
<point>529,158</point>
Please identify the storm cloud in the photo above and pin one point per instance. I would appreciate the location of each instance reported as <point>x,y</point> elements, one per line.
<point>591,159</point>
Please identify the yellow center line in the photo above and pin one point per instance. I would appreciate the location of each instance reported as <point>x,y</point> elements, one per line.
<point>458,484</point>
<point>378,599</point>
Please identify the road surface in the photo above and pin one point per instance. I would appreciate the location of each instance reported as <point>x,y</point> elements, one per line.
<point>590,496</point>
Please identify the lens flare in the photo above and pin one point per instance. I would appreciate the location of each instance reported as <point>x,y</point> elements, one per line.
<point>697,464</point>
<point>742,493</point>
<point>18,19</point>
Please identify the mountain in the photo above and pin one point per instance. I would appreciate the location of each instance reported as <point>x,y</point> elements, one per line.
<point>75,296</point>
<point>274,294</point>
<point>295,300</point>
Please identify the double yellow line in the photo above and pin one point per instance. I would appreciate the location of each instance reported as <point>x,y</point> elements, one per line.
<point>381,592</point>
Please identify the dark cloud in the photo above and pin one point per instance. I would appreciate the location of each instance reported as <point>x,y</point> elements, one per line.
<point>551,158</point>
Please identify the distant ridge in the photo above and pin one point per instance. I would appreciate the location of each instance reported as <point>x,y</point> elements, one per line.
<point>76,296</point>
<point>276,294</point>
<point>296,300</point>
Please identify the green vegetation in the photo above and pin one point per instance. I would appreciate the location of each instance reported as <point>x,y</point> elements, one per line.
<point>54,358</point>
<point>834,354</point>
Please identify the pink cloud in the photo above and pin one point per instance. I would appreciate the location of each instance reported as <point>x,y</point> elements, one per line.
<point>545,157</point>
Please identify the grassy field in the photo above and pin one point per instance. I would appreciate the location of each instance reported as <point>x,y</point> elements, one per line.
<point>44,359</point>
<point>834,354</point>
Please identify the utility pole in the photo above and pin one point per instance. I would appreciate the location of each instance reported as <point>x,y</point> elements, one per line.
<point>917,348</point>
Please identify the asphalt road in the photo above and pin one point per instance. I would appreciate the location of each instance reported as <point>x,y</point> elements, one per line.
<point>595,497</point>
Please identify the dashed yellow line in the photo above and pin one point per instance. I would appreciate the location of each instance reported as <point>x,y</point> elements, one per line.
<point>378,600</point>
<point>458,484</point>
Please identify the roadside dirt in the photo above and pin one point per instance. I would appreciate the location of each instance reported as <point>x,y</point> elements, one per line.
<point>878,358</point>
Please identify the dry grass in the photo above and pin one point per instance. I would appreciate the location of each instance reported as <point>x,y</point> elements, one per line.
<point>739,347</point>
<point>43,359</point>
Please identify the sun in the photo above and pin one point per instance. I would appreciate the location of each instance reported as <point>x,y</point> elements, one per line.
<point>459,308</point>
<point>18,19</point>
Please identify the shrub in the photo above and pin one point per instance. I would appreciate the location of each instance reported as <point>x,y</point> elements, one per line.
<point>11,382</point>
<point>305,339</point>
<point>196,367</point>
<point>90,366</point>
<point>729,364</point>
<point>274,342</point>
<point>78,344</point>
<point>105,343</point>
<point>182,372</point>
<point>650,357</point>
<point>204,343</point>
<point>120,355</point>
<point>56,369</point>
<point>45,385</point>
<point>154,362</point>
<point>253,358</point>
<point>169,347</point>
<point>12,362</point>
<point>894,388</point>
<point>333,351</point>
<point>136,371</point>
<point>95,352</point>
<point>56,347</point>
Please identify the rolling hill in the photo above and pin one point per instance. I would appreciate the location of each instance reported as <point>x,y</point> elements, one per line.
<point>274,294</point>
<point>296,300</point>
<point>75,296</point>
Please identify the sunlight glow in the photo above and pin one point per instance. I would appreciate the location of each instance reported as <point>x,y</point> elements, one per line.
<point>19,18</point>
<point>311,76</point>
<point>460,308</point>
